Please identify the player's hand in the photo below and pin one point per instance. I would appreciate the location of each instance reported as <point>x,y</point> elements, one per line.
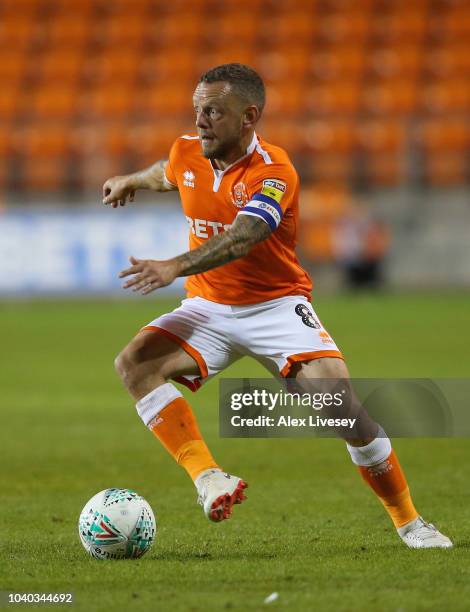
<point>117,189</point>
<point>149,274</point>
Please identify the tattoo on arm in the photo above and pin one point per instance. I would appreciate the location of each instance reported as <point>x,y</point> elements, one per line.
<point>236,242</point>
<point>154,178</point>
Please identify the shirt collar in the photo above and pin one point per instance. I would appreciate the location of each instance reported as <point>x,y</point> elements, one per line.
<point>250,149</point>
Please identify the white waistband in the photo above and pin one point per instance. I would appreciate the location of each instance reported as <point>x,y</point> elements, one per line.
<point>237,309</point>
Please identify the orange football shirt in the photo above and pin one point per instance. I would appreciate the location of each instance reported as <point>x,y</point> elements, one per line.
<point>263,183</point>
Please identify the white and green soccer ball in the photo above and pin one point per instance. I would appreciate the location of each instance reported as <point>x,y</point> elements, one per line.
<point>117,524</point>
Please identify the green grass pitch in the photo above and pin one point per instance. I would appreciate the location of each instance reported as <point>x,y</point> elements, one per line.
<point>310,530</point>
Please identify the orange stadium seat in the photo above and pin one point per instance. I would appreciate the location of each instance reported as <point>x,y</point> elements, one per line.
<point>402,25</point>
<point>382,147</point>
<point>15,31</point>
<point>125,32</point>
<point>67,31</point>
<point>106,102</point>
<point>316,240</point>
<point>44,173</point>
<point>85,140</point>
<point>445,170</point>
<point>166,100</point>
<point>447,96</point>
<point>180,7</point>
<point>223,55</point>
<point>283,97</point>
<point>44,141</point>
<point>152,141</point>
<point>383,170</point>
<point>337,63</point>
<point>395,61</point>
<point>9,96</point>
<point>321,206</point>
<point>114,140</point>
<point>93,160</point>
<point>155,67</point>
<point>454,25</point>
<point>331,136</point>
<point>386,136</point>
<point>444,135</point>
<point>60,68</point>
<point>62,7</point>
<point>279,30</point>
<point>14,7</point>
<point>115,66</point>
<point>331,168</point>
<point>347,5</point>
<point>44,155</point>
<point>233,30</point>
<point>332,98</point>
<point>53,102</point>
<point>99,139</point>
<point>343,27</point>
<point>324,201</point>
<point>287,133</point>
<point>176,33</point>
<point>12,67</point>
<point>390,97</point>
<point>122,7</point>
<point>291,65</point>
<point>450,60</point>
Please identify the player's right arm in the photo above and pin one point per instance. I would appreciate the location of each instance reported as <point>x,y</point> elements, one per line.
<point>118,189</point>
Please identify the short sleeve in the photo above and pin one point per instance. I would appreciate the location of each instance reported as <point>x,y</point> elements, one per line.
<point>271,191</point>
<point>170,176</point>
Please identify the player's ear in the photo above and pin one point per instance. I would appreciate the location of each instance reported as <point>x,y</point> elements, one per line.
<point>250,116</point>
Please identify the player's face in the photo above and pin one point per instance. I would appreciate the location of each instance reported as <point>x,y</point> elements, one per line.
<point>218,119</point>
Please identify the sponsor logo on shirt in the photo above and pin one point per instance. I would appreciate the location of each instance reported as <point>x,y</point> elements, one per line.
<point>202,228</point>
<point>274,189</point>
<point>188,178</point>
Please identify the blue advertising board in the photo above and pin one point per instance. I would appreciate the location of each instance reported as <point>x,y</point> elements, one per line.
<point>81,250</point>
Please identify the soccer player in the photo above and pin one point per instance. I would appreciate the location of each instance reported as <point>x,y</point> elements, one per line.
<point>247,294</point>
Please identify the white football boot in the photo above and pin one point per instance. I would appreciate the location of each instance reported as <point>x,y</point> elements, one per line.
<point>218,492</point>
<point>419,534</point>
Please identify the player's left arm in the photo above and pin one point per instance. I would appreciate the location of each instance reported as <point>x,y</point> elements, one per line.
<point>236,242</point>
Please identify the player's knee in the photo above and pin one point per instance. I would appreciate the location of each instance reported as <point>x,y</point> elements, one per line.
<point>126,363</point>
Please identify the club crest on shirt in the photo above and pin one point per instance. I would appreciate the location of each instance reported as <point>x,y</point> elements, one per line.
<point>239,195</point>
<point>274,189</point>
<point>188,178</point>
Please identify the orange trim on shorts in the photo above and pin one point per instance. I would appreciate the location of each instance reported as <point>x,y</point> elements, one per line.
<point>194,353</point>
<point>307,357</point>
<point>193,385</point>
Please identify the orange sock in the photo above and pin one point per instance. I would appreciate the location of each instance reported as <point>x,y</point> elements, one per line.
<point>176,428</point>
<point>389,484</point>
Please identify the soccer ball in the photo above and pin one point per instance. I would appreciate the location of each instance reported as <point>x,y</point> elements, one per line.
<point>117,524</point>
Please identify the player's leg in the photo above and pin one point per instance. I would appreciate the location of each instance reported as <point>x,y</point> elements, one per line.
<point>374,456</point>
<point>145,366</point>
<point>301,348</point>
<point>149,360</point>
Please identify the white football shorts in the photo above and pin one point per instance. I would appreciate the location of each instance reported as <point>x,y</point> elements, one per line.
<point>276,333</point>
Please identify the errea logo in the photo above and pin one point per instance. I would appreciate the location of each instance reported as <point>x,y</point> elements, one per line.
<point>188,178</point>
